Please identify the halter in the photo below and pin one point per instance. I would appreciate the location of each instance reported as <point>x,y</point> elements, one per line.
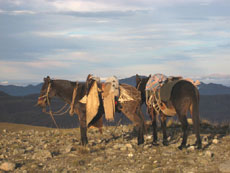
<point>46,96</point>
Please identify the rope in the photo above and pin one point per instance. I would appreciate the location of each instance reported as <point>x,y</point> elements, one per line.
<point>48,102</point>
<point>58,113</point>
<point>118,123</point>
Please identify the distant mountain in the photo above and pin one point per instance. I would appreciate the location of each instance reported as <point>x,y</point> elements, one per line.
<point>205,89</point>
<point>2,94</point>
<point>21,90</point>
<point>213,89</point>
<point>22,110</point>
<point>131,80</point>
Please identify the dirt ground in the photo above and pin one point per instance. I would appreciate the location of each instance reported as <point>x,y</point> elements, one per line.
<point>37,149</point>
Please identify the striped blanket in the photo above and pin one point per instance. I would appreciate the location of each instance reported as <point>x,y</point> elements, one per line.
<point>155,82</point>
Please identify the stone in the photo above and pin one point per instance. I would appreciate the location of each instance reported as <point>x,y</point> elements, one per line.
<point>42,155</point>
<point>129,146</point>
<point>149,137</point>
<point>209,154</point>
<point>215,141</point>
<point>7,166</point>
<point>67,149</point>
<point>225,167</point>
<point>191,148</point>
<point>130,155</point>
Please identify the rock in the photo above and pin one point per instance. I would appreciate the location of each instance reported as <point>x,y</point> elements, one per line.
<point>30,148</point>
<point>191,148</point>
<point>225,167</point>
<point>42,155</point>
<point>117,146</point>
<point>209,154</point>
<point>130,155</point>
<point>7,166</point>
<point>129,146</point>
<point>67,149</point>
<point>4,130</point>
<point>215,141</point>
<point>18,151</point>
<point>149,137</point>
<point>123,148</point>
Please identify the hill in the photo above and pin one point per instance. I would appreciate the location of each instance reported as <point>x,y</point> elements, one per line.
<point>213,89</point>
<point>2,94</point>
<point>22,110</point>
<point>20,90</point>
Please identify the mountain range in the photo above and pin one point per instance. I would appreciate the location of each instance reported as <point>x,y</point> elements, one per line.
<point>204,89</point>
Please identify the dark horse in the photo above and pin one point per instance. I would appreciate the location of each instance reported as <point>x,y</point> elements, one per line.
<point>184,97</point>
<point>64,89</point>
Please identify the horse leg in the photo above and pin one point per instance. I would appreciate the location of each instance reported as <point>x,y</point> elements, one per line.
<point>83,128</point>
<point>154,125</point>
<point>184,124</point>
<point>196,124</point>
<point>140,126</point>
<point>163,126</point>
<point>138,121</point>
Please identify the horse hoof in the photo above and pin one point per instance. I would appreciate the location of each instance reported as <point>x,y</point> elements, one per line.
<point>140,142</point>
<point>84,142</point>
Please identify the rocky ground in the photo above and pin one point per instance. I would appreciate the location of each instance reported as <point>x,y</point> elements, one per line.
<point>36,149</point>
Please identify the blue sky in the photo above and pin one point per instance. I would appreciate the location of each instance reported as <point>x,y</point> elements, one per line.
<point>69,39</point>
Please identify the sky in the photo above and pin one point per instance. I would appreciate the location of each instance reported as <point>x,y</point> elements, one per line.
<point>69,39</point>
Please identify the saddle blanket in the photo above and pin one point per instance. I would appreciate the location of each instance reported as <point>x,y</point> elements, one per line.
<point>155,82</point>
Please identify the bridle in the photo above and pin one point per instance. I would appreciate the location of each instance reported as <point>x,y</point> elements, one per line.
<point>45,97</point>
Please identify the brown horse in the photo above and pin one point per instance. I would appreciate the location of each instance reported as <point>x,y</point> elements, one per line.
<point>64,89</point>
<point>184,97</point>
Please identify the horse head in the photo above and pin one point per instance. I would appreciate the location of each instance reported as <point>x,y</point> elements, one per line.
<point>46,93</point>
<point>140,85</point>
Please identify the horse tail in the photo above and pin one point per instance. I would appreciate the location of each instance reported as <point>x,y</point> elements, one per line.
<point>194,110</point>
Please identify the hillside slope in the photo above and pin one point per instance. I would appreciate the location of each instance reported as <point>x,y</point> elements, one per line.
<point>31,149</point>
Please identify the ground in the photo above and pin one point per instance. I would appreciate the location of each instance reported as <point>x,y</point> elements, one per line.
<point>37,149</point>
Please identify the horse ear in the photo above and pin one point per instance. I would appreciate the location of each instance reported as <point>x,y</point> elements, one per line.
<point>89,76</point>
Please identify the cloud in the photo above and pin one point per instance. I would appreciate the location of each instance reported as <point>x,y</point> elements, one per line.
<point>70,39</point>
<point>4,82</point>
